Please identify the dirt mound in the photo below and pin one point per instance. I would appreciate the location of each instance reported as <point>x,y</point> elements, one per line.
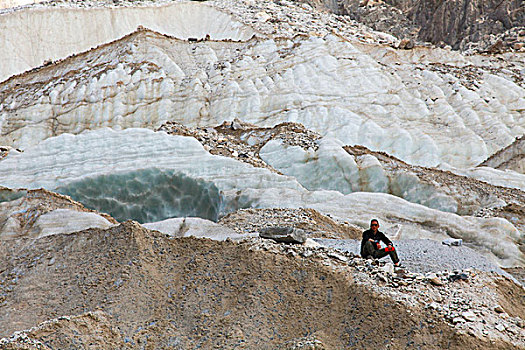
<point>92,328</point>
<point>187,293</point>
<point>20,210</point>
<point>314,223</point>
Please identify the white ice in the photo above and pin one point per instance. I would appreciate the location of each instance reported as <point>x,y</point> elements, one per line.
<point>68,158</point>
<point>332,168</point>
<point>331,86</point>
<point>31,36</point>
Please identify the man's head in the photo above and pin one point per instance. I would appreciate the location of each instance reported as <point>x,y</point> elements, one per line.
<point>374,225</point>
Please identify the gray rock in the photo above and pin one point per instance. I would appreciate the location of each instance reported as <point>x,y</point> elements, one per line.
<point>499,309</point>
<point>387,268</point>
<point>458,319</point>
<point>436,281</point>
<point>406,44</point>
<point>469,316</point>
<point>452,242</point>
<point>284,234</point>
<point>236,124</point>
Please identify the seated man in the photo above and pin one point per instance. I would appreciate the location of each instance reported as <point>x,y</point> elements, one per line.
<point>370,246</point>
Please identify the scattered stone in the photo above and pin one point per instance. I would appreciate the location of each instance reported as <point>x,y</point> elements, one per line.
<point>436,281</point>
<point>236,124</point>
<point>452,242</point>
<point>387,268</point>
<point>284,234</point>
<point>337,256</point>
<point>499,309</point>
<point>457,320</point>
<point>469,316</point>
<point>406,44</point>
<point>242,141</point>
<point>263,16</point>
<point>316,224</point>
<point>381,278</point>
<point>458,276</point>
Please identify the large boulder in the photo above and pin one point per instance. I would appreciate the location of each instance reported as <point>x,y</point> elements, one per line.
<point>284,234</point>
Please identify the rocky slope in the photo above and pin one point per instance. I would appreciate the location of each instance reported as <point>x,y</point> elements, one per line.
<point>131,287</point>
<point>469,25</point>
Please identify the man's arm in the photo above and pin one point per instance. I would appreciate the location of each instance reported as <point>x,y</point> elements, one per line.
<point>385,239</point>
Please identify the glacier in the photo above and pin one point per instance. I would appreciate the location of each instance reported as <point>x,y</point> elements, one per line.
<point>86,104</point>
<point>151,176</point>
<point>145,144</point>
<point>423,116</point>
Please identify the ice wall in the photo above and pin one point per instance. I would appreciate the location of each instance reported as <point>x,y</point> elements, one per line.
<point>102,160</point>
<point>31,36</point>
<point>147,195</point>
<point>507,178</point>
<point>68,158</point>
<point>421,116</point>
<point>332,168</point>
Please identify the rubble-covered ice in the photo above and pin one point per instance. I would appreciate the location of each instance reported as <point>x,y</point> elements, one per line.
<point>507,178</point>
<point>120,166</point>
<point>497,238</point>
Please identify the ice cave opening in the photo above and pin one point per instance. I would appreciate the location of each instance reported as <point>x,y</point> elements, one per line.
<point>147,195</point>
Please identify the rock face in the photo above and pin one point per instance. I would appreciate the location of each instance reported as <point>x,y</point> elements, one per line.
<point>484,26</point>
<point>511,157</point>
<point>186,292</point>
<point>459,23</point>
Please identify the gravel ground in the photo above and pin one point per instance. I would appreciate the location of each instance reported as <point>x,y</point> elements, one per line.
<point>425,255</point>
